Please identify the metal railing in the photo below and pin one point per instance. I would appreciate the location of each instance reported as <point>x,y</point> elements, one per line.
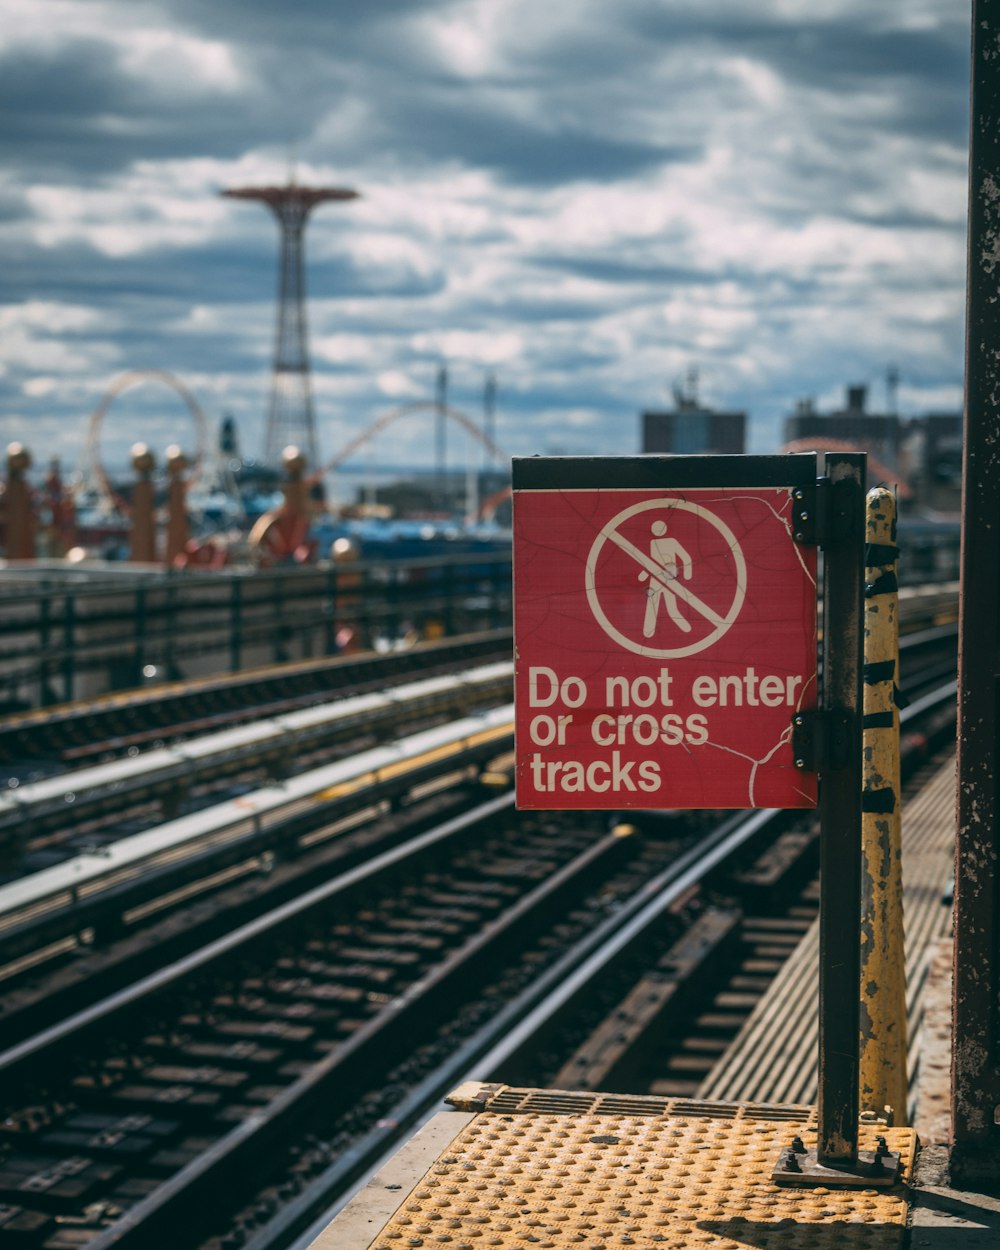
<point>65,637</point>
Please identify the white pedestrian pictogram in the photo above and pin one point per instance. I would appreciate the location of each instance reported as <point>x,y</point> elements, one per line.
<point>672,559</point>
<point>671,574</point>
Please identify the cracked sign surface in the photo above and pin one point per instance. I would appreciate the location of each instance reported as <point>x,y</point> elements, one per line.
<point>663,642</point>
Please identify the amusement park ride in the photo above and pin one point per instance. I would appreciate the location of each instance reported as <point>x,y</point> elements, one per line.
<point>226,508</point>
<point>209,517</point>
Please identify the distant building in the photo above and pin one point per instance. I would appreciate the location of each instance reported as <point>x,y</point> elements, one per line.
<point>879,433</point>
<point>935,448</point>
<point>689,429</point>
<point>922,454</point>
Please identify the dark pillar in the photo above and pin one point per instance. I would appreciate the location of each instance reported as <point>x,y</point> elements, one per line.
<point>441,434</point>
<point>840,816</point>
<point>976,1005</point>
<point>20,521</point>
<point>177,522</point>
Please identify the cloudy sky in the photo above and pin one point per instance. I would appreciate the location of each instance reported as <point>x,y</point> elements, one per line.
<point>589,198</point>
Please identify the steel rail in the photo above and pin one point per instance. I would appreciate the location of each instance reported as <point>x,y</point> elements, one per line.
<point>515,1029</point>
<point>268,738</point>
<point>163,707</point>
<point>100,1012</point>
<point>338,1070</point>
<point>66,897</point>
<point>160,1210</point>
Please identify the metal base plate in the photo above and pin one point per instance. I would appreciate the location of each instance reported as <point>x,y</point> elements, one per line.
<point>874,1169</point>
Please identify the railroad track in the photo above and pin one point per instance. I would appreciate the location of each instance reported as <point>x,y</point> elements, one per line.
<point>53,818</point>
<point>101,893</point>
<point>103,888</point>
<point>236,751</point>
<point>217,1055</point>
<point>336,1018</point>
<point>36,744</point>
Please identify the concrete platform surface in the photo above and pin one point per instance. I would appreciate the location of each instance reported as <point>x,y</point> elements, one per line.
<point>942,1218</point>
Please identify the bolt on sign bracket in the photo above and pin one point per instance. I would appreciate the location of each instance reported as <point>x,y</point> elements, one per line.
<point>875,1169</point>
<point>809,507</point>
<point>822,739</point>
<point>821,512</point>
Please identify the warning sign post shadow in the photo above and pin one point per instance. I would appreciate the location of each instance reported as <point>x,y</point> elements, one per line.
<point>665,635</point>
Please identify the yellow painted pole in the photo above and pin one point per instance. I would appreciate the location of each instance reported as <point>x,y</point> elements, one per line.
<point>883,1082</point>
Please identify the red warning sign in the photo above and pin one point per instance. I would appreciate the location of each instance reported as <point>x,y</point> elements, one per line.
<point>663,643</point>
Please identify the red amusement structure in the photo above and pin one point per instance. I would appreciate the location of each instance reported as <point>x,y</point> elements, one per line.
<point>290,418</point>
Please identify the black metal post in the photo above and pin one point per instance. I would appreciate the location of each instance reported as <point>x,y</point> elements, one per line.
<point>329,611</point>
<point>68,645</point>
<point>278,600</point>
<point>975,1075</point>
<point>235,624</point>
<point>441,434</point>
<point>449,597</point>
<point>171,670</point>
<point>840,813</point>
<point>139,652</point>
<point>44,642</point>
<point>392,614</point>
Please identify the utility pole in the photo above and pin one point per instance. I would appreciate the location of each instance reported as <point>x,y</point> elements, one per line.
<point>441,404</point>
<point>489,417</point>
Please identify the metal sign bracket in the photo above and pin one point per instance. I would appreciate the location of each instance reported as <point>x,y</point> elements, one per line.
<point>822,739</point>
<point>821,512</point>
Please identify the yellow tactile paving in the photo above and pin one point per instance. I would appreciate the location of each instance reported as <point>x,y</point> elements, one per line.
<point>604,1182</point>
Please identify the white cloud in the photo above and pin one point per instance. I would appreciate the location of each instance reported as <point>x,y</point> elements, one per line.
<point>149,209</point>
<point>349,349</point>
<point>146,46</point>
<point>35,346</point>
<point>48,316</point>
<point>466,38</point>
<point>486,347</point>
<point>398,385</point>
<point>49,22</point>
<point>162,57</point>
<point>586,199</point>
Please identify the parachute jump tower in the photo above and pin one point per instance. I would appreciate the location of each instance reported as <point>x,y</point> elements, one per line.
<point>290,418</point>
